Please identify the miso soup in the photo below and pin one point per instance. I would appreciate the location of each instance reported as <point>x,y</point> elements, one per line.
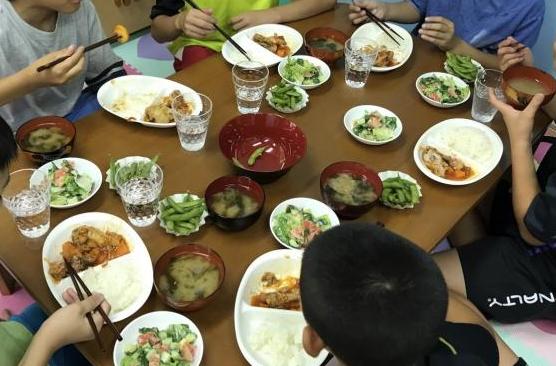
<point>45,140</point>
<point>233,204</point>
<point>528,86</point>
<point>349,190</point>
<point>327,44</point>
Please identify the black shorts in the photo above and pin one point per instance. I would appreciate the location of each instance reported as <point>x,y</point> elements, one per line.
<point>509,280</point>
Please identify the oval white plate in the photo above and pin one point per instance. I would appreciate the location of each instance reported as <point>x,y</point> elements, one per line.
<point>482,169</point>
<point>359,111</point>
<point>259,53</point>
<point>298,107</point>
<point>401,52</point>
<point>161,320</point>
<point>247,318</point>
<point>317,209</point>
<point>82,166</point>
<point>142,91</point>
<point>138,256</point>
<point>324,69</point>
<point>460,83</point>
<point>179,197</point>
<point>396,174</point>
<point>449,70</point>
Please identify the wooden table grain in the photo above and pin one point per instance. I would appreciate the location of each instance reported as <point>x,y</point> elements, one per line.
<point>102,136</point>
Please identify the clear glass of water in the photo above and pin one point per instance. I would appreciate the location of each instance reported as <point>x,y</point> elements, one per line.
<point>27,197</point>
<point>360,56</point>
<point>250,78</point>
<point>192,128</point>
<point>481,109</point>
<point>140,195</point>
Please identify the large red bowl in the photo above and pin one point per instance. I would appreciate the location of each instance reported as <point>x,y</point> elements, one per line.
<point>354,169</point>
<point>326,55</point>
<point>519,99</point>
<point>285,144</point>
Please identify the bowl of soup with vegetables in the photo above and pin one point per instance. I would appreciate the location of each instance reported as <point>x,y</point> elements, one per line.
<point>234,202</point>
<point>325,43</point>
<point>187,277</point>
<point>45,139</point>
<point>521,83</point>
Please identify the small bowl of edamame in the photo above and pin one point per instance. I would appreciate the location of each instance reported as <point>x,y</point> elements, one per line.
<point>182,214</point>
<point>287,98</point>
<point>399,190</point>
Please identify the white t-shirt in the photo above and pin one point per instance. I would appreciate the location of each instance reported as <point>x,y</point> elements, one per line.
<point>21,44</point>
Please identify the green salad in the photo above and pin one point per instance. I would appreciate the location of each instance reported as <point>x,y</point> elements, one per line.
<point>443,89</point>
<point>298,226</point>
<point>68,185</point>
<point>373,126</point>
<point>174,346</point>
<point>301,71</point>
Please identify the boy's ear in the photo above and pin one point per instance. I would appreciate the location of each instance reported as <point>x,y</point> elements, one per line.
<point>312,343</point>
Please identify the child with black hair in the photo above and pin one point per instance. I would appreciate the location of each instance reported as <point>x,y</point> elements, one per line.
<point>372,297</point>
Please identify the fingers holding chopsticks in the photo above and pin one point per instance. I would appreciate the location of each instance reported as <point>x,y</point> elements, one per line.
<point>70,297</point>
<point>440,32</point>
<point>196,23</point>
<point>358,9</point>
<point>70,67</point>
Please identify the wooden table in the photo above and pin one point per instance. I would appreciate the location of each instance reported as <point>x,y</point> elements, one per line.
<point>102,136</point>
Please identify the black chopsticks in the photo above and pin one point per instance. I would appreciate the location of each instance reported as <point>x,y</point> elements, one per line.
<point>382,25</point>
<point>78,283</point>
<point>222,32</point>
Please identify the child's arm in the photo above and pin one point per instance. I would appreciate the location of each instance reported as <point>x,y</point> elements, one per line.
<point>192,22</point>
<point>402,12</point>
<point>460,310</point>
<point>295,10</point>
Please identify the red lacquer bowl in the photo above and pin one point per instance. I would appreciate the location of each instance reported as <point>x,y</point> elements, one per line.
<point>325,55</point>
<point>285,145</point>
<point>520,99</point>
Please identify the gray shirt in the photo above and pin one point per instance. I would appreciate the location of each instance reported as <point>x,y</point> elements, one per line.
<point>21,44</point>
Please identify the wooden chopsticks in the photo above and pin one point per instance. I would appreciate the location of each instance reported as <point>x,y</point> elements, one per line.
<point>222,32</point>
<point>382,25</point>
<point>78,283</point>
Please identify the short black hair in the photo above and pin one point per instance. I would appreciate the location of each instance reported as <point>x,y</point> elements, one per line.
<point>8,146</point>
<point>373,297</point>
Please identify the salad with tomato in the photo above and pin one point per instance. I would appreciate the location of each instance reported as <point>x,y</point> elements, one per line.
<point>443,89</point>
<point>296,227</point>
<point>68,185</point>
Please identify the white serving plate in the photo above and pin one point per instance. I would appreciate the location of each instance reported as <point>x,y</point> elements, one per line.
<point>179,197</point>
<point>138,255</point>
<point>143,90</point>
<point>401,53</point>
<point>317,209</point>
<point>481,168</point>
<point>396,174</point>
<point>161,320</point>
<point>83,166</point>
<point>298,107</point>
<point>257,52</point>
<point>324,68</point>
<point>248,318</point>
<point>359,111</point>
<point>459,82</point>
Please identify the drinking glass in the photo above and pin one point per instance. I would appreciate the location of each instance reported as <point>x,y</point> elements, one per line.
<point>250,78</point>
<point>140,195</point>
<point>192,128</point>
<point>360,56</point>
<point>27,197</point>
<point>482,110</point>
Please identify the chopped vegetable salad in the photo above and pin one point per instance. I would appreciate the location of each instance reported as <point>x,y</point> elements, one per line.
<point>68,185</point>
<point>373,126</point>
<point>296,227</point>
<point>443,89</point>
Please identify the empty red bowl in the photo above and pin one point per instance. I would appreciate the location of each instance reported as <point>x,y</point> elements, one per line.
<point>244,185</point>
<point>314,44</point>
<point>356,170</point>
<point>283,142</point>
<point>521,98</point>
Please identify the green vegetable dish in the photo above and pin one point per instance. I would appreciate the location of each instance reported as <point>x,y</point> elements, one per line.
<point>285,96</point>
<point>461,66</point>
<point>302,72</point>
<point>129,171</point>
<point>374,126</point>
<point>182,217</point>
<point>298,226</point>
<point>443,89</point>
<point>399,192</point>
<point>173,346</point>
<point>68,185</point>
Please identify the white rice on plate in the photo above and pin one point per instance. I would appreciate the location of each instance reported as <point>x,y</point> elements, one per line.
<point>468,142</point>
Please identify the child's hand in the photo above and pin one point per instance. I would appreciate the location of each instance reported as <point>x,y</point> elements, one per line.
<point>440,32</point>
<point>511,52</point>
<point>195,23</point>
<point>59,74</point>
<point>249,19</point>
<point>358,15</point>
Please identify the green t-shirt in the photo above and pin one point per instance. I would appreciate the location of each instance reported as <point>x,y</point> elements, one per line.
<point>14,341</point>
<point>223,11</point>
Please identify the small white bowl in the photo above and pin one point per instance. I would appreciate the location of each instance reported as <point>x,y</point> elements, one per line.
<point>83,167</point>
<point>325,70</point>
<point>161,320</point>
<point>396,174</point>
<point>317,209</point>
<point>302,104</point>
<point>179,197</point>
<point>359,111</point>
<point>459,82</point>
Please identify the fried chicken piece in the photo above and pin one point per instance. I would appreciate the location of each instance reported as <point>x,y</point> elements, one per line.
<point>160,111</point>
<point>434,161</point>
<point>275,44</point>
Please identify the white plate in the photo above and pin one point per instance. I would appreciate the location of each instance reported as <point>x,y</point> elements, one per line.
<point>432,137</point>
<point>161,320</point>
<point>297,108</point>
<point>401,52</point>
<point>138,257</point>
<point>142,90</point>
<point>449,70</point>
<point>123,162</point>
<point>317,209</point>
<point>324,69</point>
<point>396,174</point>
<point>359,111</point>
<point>459,82</point>
<point>247,318</point>
<point>82,166</point>
<point>259,53</point>
<point>179,197</point>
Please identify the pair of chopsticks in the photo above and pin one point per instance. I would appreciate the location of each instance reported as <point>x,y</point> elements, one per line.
<point>78,283</point>
<point>222,32</point>
<point>382,25</point>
